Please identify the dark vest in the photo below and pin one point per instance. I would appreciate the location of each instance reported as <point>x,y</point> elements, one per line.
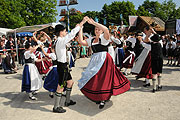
<point>98,47</point>
<point>30,60</point>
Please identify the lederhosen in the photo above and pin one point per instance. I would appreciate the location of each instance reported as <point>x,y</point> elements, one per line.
<point>156,58</point>
<point>63,71</point>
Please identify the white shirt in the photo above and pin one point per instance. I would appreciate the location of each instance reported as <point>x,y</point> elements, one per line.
<point>103,41</point>
<point>52,56</point>
<point>116,40</point>
<point>28,54</point>
<point>61,45</point>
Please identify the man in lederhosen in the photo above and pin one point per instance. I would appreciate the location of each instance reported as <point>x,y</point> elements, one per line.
<point>62,65</point>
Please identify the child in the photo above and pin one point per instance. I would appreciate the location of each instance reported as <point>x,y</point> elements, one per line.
<point>51,81</point>
<point>32,80</point>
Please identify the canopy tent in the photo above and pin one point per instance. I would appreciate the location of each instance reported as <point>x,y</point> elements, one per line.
<point>24,34</point>
<point>3,31</point>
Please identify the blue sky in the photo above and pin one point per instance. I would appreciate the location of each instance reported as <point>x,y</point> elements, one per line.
<point>96,5</point>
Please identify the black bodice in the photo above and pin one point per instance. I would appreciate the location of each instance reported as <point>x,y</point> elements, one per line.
<point>30,60</point>
<point>98,47</point>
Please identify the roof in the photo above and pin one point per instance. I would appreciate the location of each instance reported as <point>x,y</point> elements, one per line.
<point>31,28</point>
<point>149,20</point>
<point>4,31</point>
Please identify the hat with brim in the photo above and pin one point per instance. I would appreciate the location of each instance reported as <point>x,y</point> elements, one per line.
<point>155,38</point>
<point>59,28</point>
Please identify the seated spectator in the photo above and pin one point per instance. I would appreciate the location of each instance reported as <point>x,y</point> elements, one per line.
<point>9,63</point>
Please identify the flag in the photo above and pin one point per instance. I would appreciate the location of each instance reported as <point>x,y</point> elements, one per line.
<point>133,20</point>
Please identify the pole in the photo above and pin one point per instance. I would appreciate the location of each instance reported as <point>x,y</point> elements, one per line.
<point>68,15</point>
<point>16,48</point>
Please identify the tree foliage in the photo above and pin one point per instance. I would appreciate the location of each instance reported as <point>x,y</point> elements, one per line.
<point>17,13</point>
<point>165,11</point>
<point>112,12</point>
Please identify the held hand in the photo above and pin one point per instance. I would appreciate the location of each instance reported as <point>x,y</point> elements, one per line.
<point>86,18</point>
<point>91,21</point>
<point>35,32</point>
<point>41,32</point>
<point>41,46</point>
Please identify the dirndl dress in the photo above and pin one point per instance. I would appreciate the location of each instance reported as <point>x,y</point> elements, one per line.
<point>102,79</point>
<point>31,78</point>
<point>128,59</point>
<point>51,80</point>
<point>43,67</point>
<point>142,67</point>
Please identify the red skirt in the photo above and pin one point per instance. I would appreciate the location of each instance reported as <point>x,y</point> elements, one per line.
<point>129,62</point>
<point>107,82</point>
<point>146,70</point>
<point>43,69</point>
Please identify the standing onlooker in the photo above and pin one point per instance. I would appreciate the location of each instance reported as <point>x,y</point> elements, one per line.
<point>10,43</point>
<point>170,47</point>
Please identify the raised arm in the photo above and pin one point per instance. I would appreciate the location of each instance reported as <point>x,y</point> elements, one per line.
<point>81,41</point>
<point>102,27</point>
<point>74,31</point>
<point>46,54</point>
<point>49,39</point>
<point>34,36</point>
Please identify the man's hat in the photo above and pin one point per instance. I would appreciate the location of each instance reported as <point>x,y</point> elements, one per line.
<point>59,28</point>
<point>155,38</point>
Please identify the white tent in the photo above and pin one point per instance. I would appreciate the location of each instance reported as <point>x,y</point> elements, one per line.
<point>3,31</point>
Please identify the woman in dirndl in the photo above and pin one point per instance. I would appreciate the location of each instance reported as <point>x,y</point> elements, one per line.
<point>43,39</point>
<point>32,80</point>
<point>101,79</point>
<point>52,77</point>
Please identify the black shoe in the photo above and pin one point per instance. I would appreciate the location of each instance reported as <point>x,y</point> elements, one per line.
<point>101,105</point>
<point>147,85</point>
<point>32,98</point>
<point>71,103</point>
<point>125,74</point>
<point>98,102</point>
<point>159,88</point>
<point>51,96</point>
<point>137,77</point>
<point>153,90</point>
<point>35,92</point>
<point>59,110</point>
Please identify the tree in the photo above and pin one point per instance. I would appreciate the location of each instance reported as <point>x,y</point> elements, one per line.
<point>177,13</point>
<point>112,12</point>
<point>142,12</point>
<point>9,14</point>
<point>169,9</point>
<point>17,13</point>
<point>164,11</point>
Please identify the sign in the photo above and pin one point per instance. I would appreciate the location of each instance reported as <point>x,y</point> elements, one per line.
<point>178,26</point>
<point>133,20</point>
<point>62,2</point>
<point>63,12</point>
<point>73,2</point>
<point>73,11</point>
